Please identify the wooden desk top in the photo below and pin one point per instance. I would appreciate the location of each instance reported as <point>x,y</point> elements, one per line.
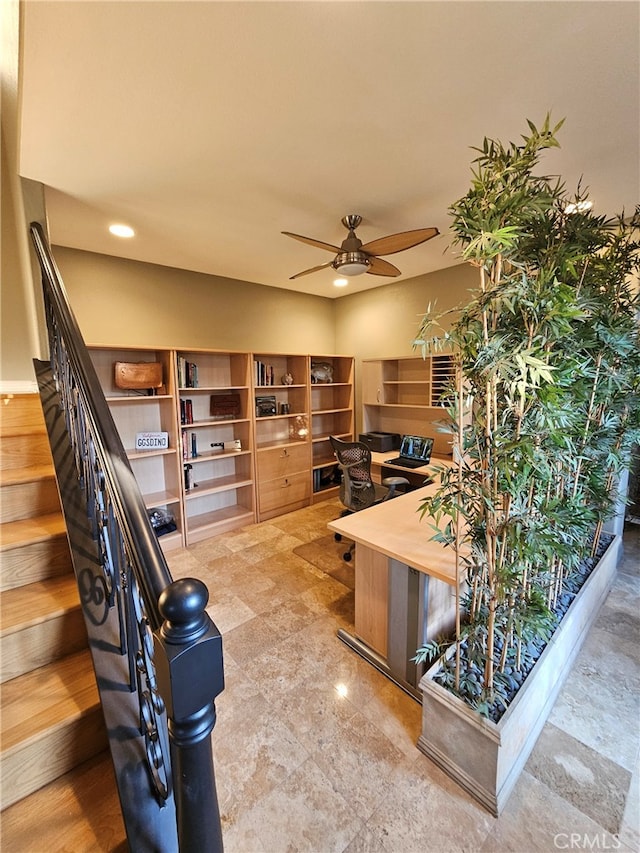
<point>394,528</point>
<point>382,459</point>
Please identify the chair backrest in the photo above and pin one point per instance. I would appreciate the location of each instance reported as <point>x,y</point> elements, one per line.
<point>357,490</point>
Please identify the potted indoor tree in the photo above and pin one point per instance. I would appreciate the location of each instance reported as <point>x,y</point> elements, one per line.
<point>545,410</point>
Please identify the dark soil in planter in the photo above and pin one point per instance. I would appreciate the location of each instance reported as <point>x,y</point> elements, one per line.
<point>510,681</point>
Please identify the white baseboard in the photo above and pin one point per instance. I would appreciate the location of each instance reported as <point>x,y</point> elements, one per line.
<point>19,386</point>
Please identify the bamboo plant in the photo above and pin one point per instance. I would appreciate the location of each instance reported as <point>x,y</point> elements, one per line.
<point>544,413</point>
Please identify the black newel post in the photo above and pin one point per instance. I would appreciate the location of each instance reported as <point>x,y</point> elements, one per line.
<point>188,658</point>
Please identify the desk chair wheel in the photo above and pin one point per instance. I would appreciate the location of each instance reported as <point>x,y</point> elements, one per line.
<point>337,537</point>
<point>348,555</point>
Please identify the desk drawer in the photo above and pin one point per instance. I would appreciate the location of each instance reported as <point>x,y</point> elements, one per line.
<point>284,491</point>
<point>283,461</point>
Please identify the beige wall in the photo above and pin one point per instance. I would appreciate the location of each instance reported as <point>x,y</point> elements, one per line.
<point>382,323</point>
<point>117,301</point>
<point>121,302</point>
<point>21,329</point>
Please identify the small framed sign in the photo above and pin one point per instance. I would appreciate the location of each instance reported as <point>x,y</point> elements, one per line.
<point>152,440</point>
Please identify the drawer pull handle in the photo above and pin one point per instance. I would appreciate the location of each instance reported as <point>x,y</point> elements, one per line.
<point>286,483</point>
<point>284,453</point>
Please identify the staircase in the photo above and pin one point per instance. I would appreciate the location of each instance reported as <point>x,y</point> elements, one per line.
<point>51,722</point>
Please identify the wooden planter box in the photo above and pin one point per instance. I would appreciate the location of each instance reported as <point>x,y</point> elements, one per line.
<point>484,757</point>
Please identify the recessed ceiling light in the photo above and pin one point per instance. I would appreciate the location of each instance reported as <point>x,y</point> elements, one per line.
<point>340,282</point>
<point>578,207</point>
<point>121,231</point>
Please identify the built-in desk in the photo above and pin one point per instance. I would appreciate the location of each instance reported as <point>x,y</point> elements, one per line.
<point>404,585</point>
<point>380,468</point>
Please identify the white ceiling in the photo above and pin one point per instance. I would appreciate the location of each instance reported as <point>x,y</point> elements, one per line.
<point>210,127</point>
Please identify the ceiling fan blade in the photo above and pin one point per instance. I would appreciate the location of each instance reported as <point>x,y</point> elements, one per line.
<point>380,267</point>
<point>313,269</point>
<point>399,242</point>
<point>318,243</point>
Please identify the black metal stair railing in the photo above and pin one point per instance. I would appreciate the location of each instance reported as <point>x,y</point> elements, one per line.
<point>156,653</point>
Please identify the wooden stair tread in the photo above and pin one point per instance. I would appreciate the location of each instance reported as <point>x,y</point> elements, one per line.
<point>37,602</point>
<point>46,698</point>
<point>26,531</point>
<point>26,474</point>
<point>78,811</point>
<point>7,431</point>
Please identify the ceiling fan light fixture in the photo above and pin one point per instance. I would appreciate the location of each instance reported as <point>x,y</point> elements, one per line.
<point>351,263</point>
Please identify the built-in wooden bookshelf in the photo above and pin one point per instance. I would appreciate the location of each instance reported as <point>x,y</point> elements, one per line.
<point>157,471</point>
<point>248,433</point>
<point>331,414</point>
<point>216,441</point>
<point>405,396</point>
<point>283,459</point>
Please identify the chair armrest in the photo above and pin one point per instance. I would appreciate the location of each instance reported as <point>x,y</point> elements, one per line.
<point>392,484</point>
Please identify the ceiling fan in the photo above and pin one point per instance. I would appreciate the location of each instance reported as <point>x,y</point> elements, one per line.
<point>354,258</point>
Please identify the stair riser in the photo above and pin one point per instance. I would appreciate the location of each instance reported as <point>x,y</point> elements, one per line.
<point>37,645</point>
<point>21,451</point>
<point>37,561</point>
<point>37,763</point>
<point>28,500</point>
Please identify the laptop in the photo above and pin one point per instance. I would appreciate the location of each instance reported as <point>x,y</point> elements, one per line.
<point>415,451</point>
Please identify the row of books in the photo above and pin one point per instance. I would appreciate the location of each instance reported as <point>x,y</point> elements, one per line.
<point>189,444</point>
<point>264,374</point>
<point>186,411</point>
<point>187,373</point>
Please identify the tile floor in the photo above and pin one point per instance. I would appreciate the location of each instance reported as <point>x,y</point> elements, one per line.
<point>315,750</point>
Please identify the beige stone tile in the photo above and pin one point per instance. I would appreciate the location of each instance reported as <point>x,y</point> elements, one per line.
<point>330,597</point>
<point>183,564</point>
<point>315,715</point>
<point>253,753</point>
<point>397,715</point>
<point>228,611</point>
<point>209,549</point>
<point>361,762</point>
<point>304,814</point>
<point>598,704</point>
<point>250,640</point>
<point>537,819</point>
<point>425,811</point>
<point>585,778</point>
<point>630,827</point>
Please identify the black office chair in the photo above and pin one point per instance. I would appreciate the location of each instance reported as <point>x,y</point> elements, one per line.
<point>357,489</point>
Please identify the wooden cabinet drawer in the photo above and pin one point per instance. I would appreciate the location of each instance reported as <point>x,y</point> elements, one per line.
<point>284,491</point>
<point>283,461</point>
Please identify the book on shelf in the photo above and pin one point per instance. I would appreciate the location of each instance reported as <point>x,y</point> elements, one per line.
<point>264,373</point>
<point>186,411</point>
<point>187,373</point>
<point>189,442</point>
